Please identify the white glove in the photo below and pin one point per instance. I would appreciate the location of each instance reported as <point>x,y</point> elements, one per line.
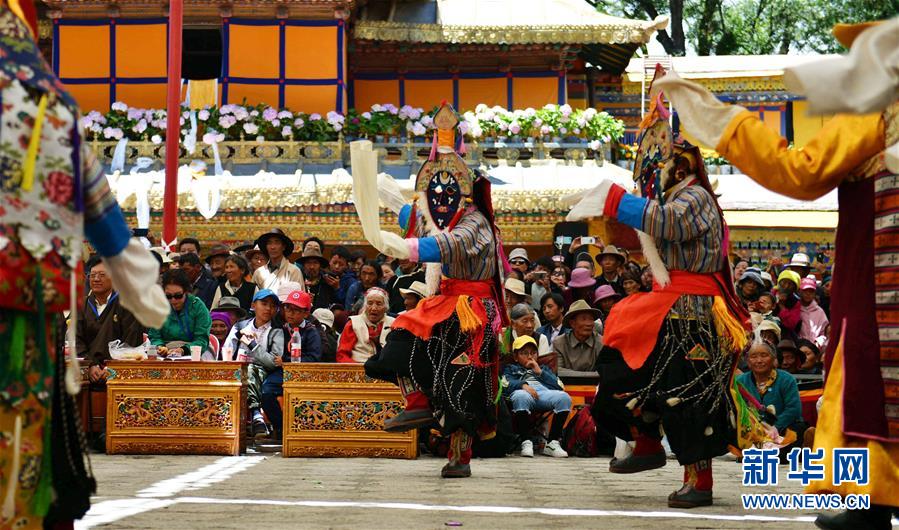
<point>134,272</point>
<point>393,245</point>
<point>588,203</point>
<point>701,113</point>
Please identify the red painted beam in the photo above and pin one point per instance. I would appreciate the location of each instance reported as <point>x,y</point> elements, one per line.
<point>173,125</point>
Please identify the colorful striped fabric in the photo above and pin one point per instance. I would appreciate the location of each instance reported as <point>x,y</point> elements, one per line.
<point>468,251</point>
<point>687,230</point>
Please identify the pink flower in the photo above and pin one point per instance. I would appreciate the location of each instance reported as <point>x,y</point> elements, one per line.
<point>269,114</point>
<point>286,132</point>
<point>298,123</point>
<point>203,115</point>
<point>315,117</point>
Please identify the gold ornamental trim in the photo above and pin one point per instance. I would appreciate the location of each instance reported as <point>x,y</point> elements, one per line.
<point>638,32</point>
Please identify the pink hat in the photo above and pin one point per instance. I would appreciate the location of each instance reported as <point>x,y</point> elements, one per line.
<point>603,292</point>
<point>581,278</point>
<point>299,299</point>
<point>808,283</point>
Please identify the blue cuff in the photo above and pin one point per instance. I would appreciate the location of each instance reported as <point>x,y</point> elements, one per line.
<point>428,251</point>
<point>630,210</point>
<point>404,215</point>
<point>109,234</point>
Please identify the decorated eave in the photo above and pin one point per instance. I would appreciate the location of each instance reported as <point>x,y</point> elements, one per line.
<point>199,11</point>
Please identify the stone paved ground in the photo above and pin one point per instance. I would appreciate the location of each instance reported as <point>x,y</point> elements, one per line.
<point>269,492</point>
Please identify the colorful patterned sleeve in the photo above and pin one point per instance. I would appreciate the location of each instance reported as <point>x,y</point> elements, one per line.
<point>683,218</point>
<point>104,224</point>
<point>461,244</point>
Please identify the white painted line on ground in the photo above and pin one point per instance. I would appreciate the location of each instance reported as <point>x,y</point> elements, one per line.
<point>153,497</point>
<point>562,512</point>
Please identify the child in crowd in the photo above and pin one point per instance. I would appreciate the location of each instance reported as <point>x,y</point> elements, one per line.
<point>263,344</point>
<point>533,388</point>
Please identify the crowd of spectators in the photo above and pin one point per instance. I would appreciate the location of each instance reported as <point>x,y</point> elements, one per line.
<point>332,304</point>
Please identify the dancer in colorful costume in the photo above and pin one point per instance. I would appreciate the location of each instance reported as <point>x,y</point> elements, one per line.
<point>53,194</point>
<point>444,353</point>
<point>669,355</point>
<point>856,154</point>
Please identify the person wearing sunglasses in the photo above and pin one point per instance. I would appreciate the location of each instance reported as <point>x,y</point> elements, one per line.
<point>188,323</point>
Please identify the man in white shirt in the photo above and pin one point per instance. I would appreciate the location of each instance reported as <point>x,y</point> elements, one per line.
<point>278,248</point>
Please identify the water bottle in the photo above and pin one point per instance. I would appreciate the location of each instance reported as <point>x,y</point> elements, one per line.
<point>295,346</point>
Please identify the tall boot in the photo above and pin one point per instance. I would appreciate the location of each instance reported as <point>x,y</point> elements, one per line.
<point>417,412</point>
<point>877,517</point>
<point>697,488</point>
<point>459,456</point>
<point>648,454</point>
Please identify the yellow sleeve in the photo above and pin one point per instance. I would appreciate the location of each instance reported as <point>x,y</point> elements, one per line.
<point>809,172</point>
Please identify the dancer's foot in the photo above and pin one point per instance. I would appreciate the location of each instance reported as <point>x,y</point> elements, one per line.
<point>636,464</point>
<point>408,420</point>
<point>689,497</point>
<point>875,518</point>
<point>455,471</point>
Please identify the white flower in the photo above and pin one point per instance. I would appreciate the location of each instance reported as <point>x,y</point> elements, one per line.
<point>254,113</point>
<point>550,106</point>
<point>427,121</point>
<point>530,112</point>
<point>240,113</point>
<point>464,127</point>
<point>185,114</point>
<point>335,118</point>
<point>96,116</point>
<point>156,139</point>
<point>576,131</point>
<point>95,128</point>
<point>315,117</point>
<point>476,131</point>
<point>135,114</point>
<point>269,114</point>
<point>480,108</point>
<point>546,129</point>
<point>581,122</point>
<point>595,145</point>
<point>563,130</point>
<point>418,129</point>
<point>590,113</point>
<point>213,136</point>
<point>260,139</point>
<point>366,115</point>
<point>298,123</point>
<point>140,127</point>
<point>391,109</point>
<point>85,122</point>
<point>287,132</point>
<point>250,128</point>
<point>276,122</point>
<point>227,121</point>
<point>285,115</point>
<point>119,106</point>
<point>203,115</point>
<point>377,108</point>
<point>538,122</point>
<point>226,109</point>
<point>565,109</point>
<point>514,127</point>
<point>109,132</point>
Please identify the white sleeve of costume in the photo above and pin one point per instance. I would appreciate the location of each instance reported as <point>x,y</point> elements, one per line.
<point>588,203</point>
<point>700,112</point>
<point>866,80</point>
<point>134,273</point>
<point>365,197</point>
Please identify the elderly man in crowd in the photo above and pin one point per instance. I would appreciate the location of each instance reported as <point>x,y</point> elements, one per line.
<point>103,320</point>
<point>579,348</point>
<point>409,273</point>
<point>523,325</point>
<point>204,285</point>
<point>277,247</point>
<point>216,261</point>
<point>313,264</point>
<point>366,333</point>
<point>611,260</point>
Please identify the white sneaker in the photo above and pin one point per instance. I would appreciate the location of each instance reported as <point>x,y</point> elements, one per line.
<point>554,449</point>
<point>527,448</point>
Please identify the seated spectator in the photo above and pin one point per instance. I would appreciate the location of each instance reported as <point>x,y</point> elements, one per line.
<point>256,259</point>
<point>631,283</point>
<point>313,264</point>
<point>324,319</point>
<point>606,298</point>
<point>553,308</point>
<point>277,248</point>
<point>534,388</point>
<point>164,259</point>
<point>101,321</point>
<point>387,272</point>
<point>416,292</point>
<point>765,306</point>
<point>610,261</point>
<point>749,287</point>
<point>203,285</point>
<point>518,260</point>
<point>810,358</point>
<point>264,346</point>
<point>515,293</point>
<point>369,277</point>
<point>790,356</point>
<point>366,333</point>
<point>297,307</point>
<point>189,245</point>
<point>739,268</point>
<point>769,331</point>
<point>537,282</point>
<point>789,307</point>
<point>216,260</point>
<point>340,276</point>
<point>221,326</point>
<point>579,348</point>
<point>409,273</point>
<point>357,261</point>
<point>188,323</point>
<point>814,320</point>
<point>234,283</point>
<point>231,305</point>
<point>646,279</point>
<point>776,390</point>
<point>580,287</point>
<point>523,325</point>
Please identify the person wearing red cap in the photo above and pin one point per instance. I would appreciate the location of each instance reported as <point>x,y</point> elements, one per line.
<point>297,308</point>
